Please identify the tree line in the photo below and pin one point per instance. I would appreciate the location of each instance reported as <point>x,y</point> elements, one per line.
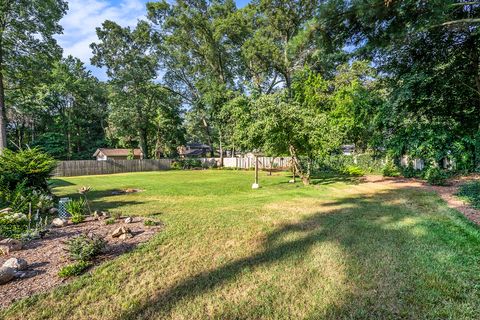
<point>297,78</point>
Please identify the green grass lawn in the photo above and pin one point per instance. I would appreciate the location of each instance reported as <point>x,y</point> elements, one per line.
<point>336,249</point>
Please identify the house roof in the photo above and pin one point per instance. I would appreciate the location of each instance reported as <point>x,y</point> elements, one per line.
<point>198,146</point>
<point>118,152</point>
<point>194,152</point>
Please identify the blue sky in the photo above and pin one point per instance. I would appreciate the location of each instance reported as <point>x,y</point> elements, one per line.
<point>85,15</point>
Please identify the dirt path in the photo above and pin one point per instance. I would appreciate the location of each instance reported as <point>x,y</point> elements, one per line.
<point>447,193</point>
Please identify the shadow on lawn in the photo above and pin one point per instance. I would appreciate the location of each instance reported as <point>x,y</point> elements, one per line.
<point>384,276</point>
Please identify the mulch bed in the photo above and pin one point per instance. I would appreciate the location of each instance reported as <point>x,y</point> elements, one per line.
<point>46,256</point>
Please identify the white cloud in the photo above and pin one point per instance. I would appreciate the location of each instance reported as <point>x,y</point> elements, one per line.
<point>84,16</point>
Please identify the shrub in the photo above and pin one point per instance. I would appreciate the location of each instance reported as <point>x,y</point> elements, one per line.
<point>85,247</point>
<point>151,223</point>
<point>74,269</point>
<point>353,171</point>
<point>410,172</point>
<point>110,221</point>
<point>435,176</point>
<point>12,225</point>
<point>471,192</point>
<point>186,164</point>
<point>390,170</point>
<point>77,210</point>
<point>31,167</point>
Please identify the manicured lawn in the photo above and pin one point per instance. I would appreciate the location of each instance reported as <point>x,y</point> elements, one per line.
<point>337,249</point>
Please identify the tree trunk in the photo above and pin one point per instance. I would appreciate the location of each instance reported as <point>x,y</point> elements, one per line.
<point>3,112</point>
<point>305,176</point>
<point>142,135</point>
<point>221,149</point>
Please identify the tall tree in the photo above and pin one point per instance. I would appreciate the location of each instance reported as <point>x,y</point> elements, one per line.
<point>200,57</point>
<point>26,45</point>
<point>135,99</point>
<point>428,54</point>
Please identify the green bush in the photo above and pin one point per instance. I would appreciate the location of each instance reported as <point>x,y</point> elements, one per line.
<point>77,210</point>
<point>13,225</point>
<point>74,269</point>
<point>435,176</point>
<point>354,171</point>
<point>410,172</point>
<point>30,166</point>
<point>470,191</point>
<point>84,247</point>
<point>390,170</point>
<point>182,164</point>
<point>151,223</point>
<point>110,221</point>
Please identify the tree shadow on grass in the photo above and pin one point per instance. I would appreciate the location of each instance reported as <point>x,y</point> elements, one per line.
<point>380,268</point>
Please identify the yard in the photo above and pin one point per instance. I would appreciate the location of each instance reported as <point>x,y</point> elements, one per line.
<point>340,248</point>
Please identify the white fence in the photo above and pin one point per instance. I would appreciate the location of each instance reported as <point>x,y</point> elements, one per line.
<point>249,162</point>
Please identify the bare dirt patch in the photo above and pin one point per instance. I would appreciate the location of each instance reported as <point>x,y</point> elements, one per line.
<point>47,256</point>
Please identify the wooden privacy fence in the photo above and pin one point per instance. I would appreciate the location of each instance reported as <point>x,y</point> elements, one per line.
<point>93,167</point>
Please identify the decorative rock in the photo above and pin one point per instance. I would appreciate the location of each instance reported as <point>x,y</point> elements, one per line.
<point>101,215</point>
<point>120,231</point>
<point>16,264</point>
<point>53,211</point>
<point>129,220</point>
<point>59,222</point>
<point>4,250</point>
<point>12,244</point>
<point>6,274</point>
<point>125,236</point>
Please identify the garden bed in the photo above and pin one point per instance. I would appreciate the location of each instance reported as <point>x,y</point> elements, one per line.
<point>47,256</point>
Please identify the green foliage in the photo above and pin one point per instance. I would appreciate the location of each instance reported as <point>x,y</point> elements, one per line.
<point>74,269</point>
<point>84,247</point>
<point>151,223</point>
<point>368,163</point>
<point>27,50</point>
<point>77,210</point>
<point>30,166</point>
<point>390,170</point>
<point>410,172</point>
<point>354,171</point>
<point>12,225</point>
<point>436,176</point>
<point>182,164</point>
<point>110,221</point>
<point>470,191</point>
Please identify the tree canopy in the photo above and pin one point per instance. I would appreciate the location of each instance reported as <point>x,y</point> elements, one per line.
<point>286,78</point>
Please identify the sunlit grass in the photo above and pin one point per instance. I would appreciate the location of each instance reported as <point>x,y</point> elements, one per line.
<point>337,249</point>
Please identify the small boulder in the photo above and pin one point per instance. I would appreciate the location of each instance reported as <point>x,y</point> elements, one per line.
<point>59,222</point>
<point>16,264</point>
<point>4,250</point>
<point>129,220</point>
<point>120,231</point>
<point>126,236</point>
<point>6,274</point>
<point>6,210</point>
<point>12,244</point>
<point>291,181</point>
<point>53,211</point>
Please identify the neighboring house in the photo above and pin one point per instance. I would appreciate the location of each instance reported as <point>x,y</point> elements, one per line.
<point>104,154</point>
<point>348,149</point>
<point>194,150</point>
